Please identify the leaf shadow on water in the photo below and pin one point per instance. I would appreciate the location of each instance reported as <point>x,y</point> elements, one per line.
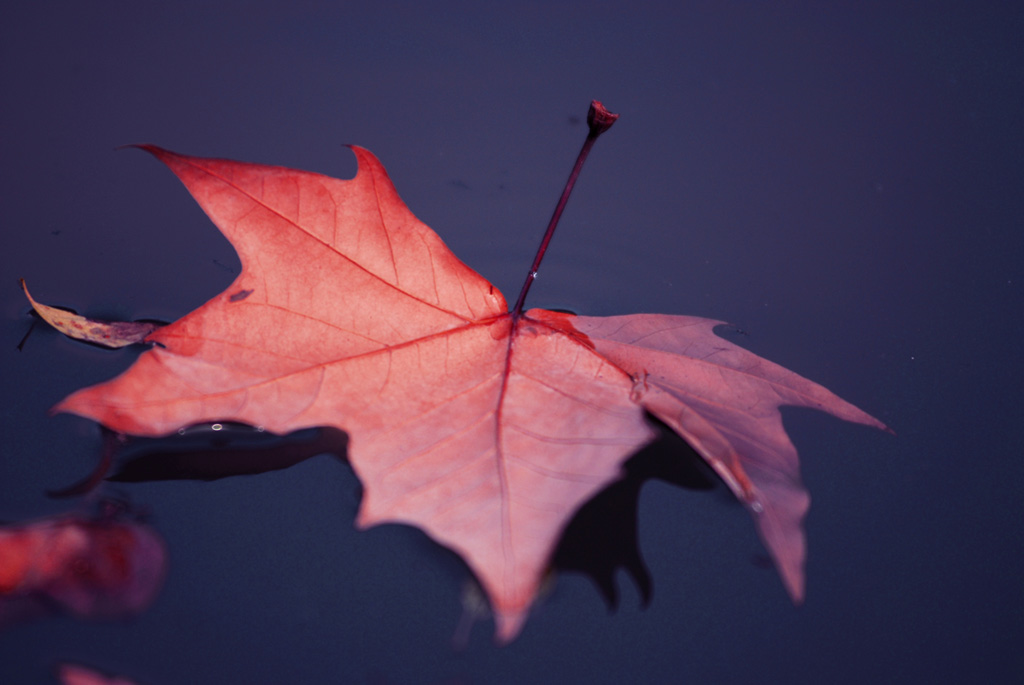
<point>602,537</point>
<point>598,541</point>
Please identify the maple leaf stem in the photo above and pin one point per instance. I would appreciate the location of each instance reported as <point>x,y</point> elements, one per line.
<point>599,120</point>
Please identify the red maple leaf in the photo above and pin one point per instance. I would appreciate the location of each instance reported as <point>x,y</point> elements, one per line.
<point>75,674</point>
<point>486,428</point>
<point>107,566</point>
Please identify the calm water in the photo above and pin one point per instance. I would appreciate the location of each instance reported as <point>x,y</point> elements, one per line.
<point>841,184</point>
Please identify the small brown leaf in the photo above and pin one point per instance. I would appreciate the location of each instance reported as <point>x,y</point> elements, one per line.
<point>112,334</point>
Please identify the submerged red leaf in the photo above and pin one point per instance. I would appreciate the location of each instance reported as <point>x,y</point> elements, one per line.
<point>485,428</point>
<point>74,674</point>
<point>90,568</point>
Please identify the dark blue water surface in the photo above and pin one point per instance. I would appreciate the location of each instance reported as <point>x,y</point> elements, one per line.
<point>841,181</point>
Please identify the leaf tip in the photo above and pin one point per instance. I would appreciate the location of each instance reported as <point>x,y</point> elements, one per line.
<point>155,150</point>
<point>508,623</point>
<point>365,160</point>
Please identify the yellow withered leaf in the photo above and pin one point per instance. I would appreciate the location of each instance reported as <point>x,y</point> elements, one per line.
<point>111,334</point>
